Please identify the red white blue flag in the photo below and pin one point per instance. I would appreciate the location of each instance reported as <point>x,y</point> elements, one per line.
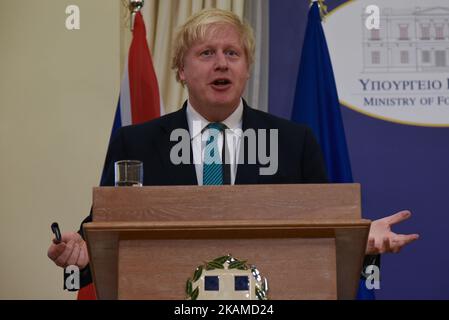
<point>139,99</point>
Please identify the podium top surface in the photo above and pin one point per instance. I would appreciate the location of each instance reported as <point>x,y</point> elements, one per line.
<point>238,202</point>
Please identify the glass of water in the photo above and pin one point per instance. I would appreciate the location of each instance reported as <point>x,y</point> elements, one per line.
<point>128,173</point>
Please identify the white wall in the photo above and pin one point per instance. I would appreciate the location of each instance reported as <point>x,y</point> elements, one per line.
<point>58,94</point>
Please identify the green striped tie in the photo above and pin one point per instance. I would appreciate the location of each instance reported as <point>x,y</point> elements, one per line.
<point>213,164</point>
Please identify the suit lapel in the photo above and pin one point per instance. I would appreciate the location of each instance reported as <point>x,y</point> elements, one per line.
<point>182,174</point>
<point>248,173</point>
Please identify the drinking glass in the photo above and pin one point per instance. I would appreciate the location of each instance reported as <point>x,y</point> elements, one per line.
<point>128,173</point>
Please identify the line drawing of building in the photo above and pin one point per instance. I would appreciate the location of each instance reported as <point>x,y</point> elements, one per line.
<point>415,40</point>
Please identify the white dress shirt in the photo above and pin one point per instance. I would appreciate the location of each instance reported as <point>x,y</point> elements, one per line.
<point>233,135</point>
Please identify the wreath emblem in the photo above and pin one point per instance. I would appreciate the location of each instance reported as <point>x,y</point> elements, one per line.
<point>227,263</point>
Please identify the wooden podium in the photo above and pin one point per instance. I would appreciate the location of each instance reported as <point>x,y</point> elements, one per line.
<point>307,240</point>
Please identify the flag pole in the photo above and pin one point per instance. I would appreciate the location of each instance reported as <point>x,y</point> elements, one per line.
<point>134,7</point>
<point>322,6</point>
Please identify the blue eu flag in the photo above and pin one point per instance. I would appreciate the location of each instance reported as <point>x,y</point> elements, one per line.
<point>316,104</point>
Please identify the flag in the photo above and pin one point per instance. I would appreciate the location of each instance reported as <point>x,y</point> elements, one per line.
<point>139,99</point>
<point>316,104</point>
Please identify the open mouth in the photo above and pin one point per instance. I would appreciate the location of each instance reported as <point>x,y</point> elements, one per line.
<point>221,82</point>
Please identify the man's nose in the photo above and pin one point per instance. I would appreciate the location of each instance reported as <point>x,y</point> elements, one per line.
<point>221,61</point>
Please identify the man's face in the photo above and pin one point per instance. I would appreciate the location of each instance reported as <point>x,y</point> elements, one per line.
<point>215,72</point>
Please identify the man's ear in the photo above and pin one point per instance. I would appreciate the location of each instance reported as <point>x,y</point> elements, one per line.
<point>181,74</point>
<point>248,72</point>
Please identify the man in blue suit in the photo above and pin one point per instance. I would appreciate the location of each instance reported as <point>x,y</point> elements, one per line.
<point>213,54</point>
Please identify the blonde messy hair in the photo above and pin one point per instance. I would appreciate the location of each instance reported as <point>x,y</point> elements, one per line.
<point>196,28</point>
